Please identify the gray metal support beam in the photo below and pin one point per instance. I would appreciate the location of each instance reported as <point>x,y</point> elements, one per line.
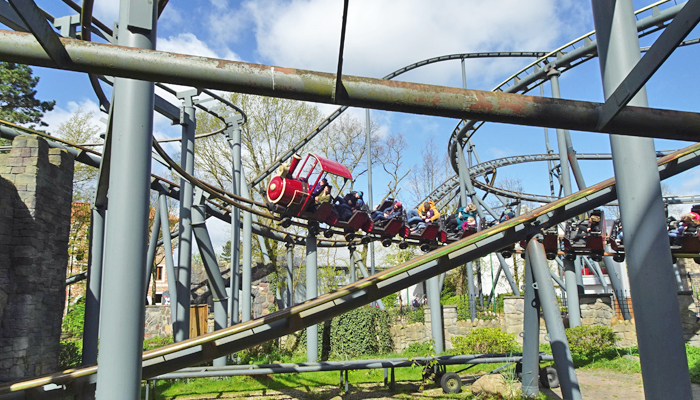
<point>246,268</point>
<point>509,276</point>
<point>598,272</point>
<point>362,92</point>
<point>35,20</point>
<point>435,315</point>
<point>94,287</point>
<point>572,301</point>
<point>616,282</point>
<point>168,253</point>
<point>579,275</point>
<point>121,333</point>
<point>152,246</point>
<point>311,292</point>
<point>552,317</point>
<point>531,335</point>
<point>471,291</point>
<point>233,131</point>
<point>665,44</point>
<point>211,267</point>
<point>290,274</point>
<point>370,199</point>
<point>553,75</point>
<point>184,265</point>
<point>664,368</point>
<point>353,265</point>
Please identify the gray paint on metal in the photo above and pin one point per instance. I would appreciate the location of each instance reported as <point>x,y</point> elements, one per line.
<point>94,287</point>
<point>311,292</point>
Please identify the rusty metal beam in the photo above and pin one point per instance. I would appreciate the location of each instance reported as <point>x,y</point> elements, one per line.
<point>362,92</point>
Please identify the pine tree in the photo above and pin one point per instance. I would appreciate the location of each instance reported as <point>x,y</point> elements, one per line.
<point>18,102</point>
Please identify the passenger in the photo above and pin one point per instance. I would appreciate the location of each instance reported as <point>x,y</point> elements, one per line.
<point>673,226</point>
<point>506,215</point>
<point>429,217</point>
<point>325,195</point>
<point>469,224</point>
<point>420,215</point>
<point>594,224</point>
<point>345,206</point>
<point>319,187</point>
<point>690,221</point>
<point>455,222</point>
<point>359,203</point>
<point>394,211</point>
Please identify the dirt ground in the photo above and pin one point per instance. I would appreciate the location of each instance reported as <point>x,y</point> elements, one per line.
<point>594,384</point>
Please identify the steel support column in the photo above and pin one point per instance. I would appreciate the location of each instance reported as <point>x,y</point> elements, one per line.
<point>472,295</point>
<point>152,246</point>
<point>664,368</point>
<point>184,265</point>
<point>370,202</point>
<point>94,287</point>
<point>168,253</point>
<point>552,317</point>
<point>217,287</point>
<point>353,267</point>
<point>290,274</point>
<point>435,314</point>
<point>121,333</point>
<point>233,131</point>
<point>572,292</point>
<point>531,335</point>
<point>616,282</point>
<point>246,270</point>
<point>311,292</point>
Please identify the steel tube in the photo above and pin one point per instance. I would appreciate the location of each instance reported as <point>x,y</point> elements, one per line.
<point>565,174</point>
<point>652,284</point>
<point>94,287</point>
<point>184,266</point>
<point>552,317</point>
<point>598,272</point>
<point>126,235</point>
<point>361,91</point>
<point>234,137</point>
<point>246,270</point>
<point>616,282</point>
<point>435,314</point>
<point>311,292</point>
<point>168,254</point>
<point>471,290</point>
<point>290,274</point>
<point>152,245</point>
<point>531,335</point>
<point>572,301</point>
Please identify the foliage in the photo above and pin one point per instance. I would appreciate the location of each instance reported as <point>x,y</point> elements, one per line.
<point>693,354</point>
<point>360,332</point>
<point>391,300</point>
<point>79,129</point>
<point>73,320</point>
<point>18,103</point>
<point>589,342</point>
<point>265,353</point>
<point>70,354</point>
<point>485,341</point>
<point>418,349</point>
<point>226,252</point>
<point>156,342</point>
<point>357,333</point>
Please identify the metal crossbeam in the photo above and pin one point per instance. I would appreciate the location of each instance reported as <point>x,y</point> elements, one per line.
<point>677,30</point>
<point>35,20</point>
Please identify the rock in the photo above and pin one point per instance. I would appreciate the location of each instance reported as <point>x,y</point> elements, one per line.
<point>494,385</point>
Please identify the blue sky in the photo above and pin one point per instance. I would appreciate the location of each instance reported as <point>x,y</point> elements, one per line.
<point>383,36</point>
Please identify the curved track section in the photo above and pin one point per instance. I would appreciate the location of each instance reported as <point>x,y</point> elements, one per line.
<point>238,337</point>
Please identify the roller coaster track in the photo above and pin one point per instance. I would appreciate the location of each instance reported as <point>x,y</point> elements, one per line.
<point>225,341</point>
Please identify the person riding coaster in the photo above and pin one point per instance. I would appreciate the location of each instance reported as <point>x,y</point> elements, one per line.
<point>388,221</point>
<point>586,236</point>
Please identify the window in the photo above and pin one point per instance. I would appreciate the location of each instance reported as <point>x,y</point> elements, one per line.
<point>159,273</point>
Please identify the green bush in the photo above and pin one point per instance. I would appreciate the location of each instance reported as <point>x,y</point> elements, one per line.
<point>693,362</point>
<point>361,332</point>
<point>72,324</point>
<point>418,349</point>
<point>155,342</point>
<point>391,300</point>
<point>485,341</point>
<point>589,341</point>
<point>70,354</point>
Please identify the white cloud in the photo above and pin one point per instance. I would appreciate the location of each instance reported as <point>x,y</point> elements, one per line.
<point>383,36</point>
<point>60,115</point>
<point>185,43</point>
<point>106,11</point>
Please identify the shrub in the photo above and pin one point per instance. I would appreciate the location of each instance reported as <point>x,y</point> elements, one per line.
<point>155,342</point>
<point>693,354</point>
<point>485,341</point>
<point>589,341</point>
<point>72,324</point>
<point>70,354</point>
<point>360,332</point>
<point>418,349</point>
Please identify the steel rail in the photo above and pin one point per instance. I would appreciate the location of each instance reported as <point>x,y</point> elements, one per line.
<point>175,356</point>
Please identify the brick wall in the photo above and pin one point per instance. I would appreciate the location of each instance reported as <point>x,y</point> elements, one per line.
<point>35,206</point>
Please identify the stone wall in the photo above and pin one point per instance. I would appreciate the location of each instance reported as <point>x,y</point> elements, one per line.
<point>514,316</point>
<point>596,309</point>
<point>158,322</point>
<point>35,208</point>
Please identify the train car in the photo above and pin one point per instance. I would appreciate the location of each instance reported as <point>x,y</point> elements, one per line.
<point>388,229</point>
<point>550,241</point>
<point>586,237</point>
<point>289,193</point>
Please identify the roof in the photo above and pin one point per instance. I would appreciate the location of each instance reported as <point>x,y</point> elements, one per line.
<point>333,167</point>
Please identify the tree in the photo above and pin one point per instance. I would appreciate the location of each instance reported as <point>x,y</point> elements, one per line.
<point>79,129</point>
<point>433,170</point>
<point>18,103</point>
